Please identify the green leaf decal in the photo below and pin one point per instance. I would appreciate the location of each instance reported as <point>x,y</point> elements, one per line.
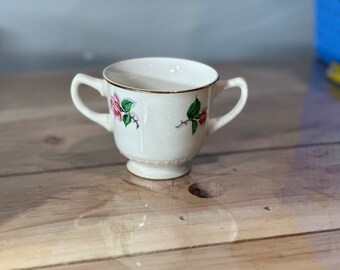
<point>127,119</point>
<point>194,126</point>
<point>194,110</point>
<point>126,105</point>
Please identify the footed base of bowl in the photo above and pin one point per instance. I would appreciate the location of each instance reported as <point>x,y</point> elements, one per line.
<point>157,172</point>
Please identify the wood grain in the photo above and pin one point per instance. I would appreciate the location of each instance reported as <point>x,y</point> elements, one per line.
<point>303,252</point>
<point>66,197</point>
<point>41,130</point>
<point>71,216</point>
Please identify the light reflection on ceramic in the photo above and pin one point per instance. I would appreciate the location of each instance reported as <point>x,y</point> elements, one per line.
<point>159,111</point>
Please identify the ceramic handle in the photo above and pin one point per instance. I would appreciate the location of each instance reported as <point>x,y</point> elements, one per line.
<point>217,123</point>
<point>102,119</point>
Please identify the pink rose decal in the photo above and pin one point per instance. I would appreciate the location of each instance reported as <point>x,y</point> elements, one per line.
<point>115,106</point>
<point>195,116</point>
<point>203,116</point>
<point>122,110</point>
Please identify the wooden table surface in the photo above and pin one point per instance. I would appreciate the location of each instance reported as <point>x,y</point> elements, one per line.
<point>263,192</point>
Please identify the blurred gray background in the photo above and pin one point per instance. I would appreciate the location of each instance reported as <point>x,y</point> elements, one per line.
<point>39,35</point>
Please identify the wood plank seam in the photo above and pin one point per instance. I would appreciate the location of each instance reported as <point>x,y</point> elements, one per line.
<point>204,155</point>
<point>178,249</point>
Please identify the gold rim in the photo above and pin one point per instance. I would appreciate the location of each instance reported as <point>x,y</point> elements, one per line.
<point>134,89</point>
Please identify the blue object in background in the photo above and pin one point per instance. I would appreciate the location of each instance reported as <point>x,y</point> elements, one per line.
<point>327,30</point>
